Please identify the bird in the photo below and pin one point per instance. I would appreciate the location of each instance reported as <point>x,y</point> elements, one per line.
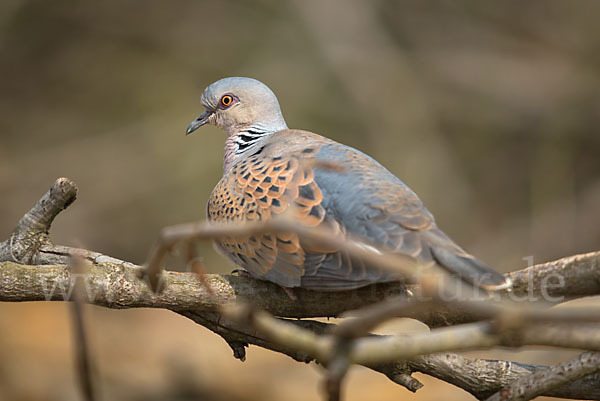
<point>270,169</point>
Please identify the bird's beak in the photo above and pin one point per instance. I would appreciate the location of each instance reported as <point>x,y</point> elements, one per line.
<point>199,122</point>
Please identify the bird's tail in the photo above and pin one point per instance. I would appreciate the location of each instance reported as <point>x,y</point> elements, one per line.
<point>471,270</point>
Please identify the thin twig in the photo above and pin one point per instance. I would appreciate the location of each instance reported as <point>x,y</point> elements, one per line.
<point>377,350</point>
<point>405,266</point>
<point>83,361</point>
<point>544,380</point>
<point>509,314</point>
<point>483,377</point>
<point>474,336</point>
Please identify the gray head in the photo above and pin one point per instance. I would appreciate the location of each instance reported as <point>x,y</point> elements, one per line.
<point>240,104</point>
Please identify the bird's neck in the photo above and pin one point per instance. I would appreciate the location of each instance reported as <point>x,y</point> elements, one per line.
<point>243,142</point>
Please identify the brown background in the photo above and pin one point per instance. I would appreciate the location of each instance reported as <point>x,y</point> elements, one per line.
<point>490,111</point>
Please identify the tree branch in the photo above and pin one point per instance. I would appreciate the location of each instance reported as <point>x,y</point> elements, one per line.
<point>32,230</point>
<point>113,283</point>
<point>383,349</point>
<point>544,380</point>
<point>482,377</point>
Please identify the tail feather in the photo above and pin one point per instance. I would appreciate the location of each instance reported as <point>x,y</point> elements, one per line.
<point>471,270</point>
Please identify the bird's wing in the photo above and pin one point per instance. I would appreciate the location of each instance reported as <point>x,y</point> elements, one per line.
<point>375,205</point>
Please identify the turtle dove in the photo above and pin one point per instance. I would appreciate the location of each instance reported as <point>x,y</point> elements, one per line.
<point>269,169</point>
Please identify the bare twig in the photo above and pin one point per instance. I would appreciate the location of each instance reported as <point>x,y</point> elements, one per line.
<point>482,377</point>
<point>31,232</point>
<point>371,316</point>
<point>544,380</point>
<point>474,336</point>
<point>405,266</point>
<point>378,350</point>
<point>280,332</point>
<point>82,354</point>
<point>508,313</point>
<point>337,368</point>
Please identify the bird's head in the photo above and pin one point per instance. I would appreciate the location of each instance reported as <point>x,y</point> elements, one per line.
<point>238,104</point>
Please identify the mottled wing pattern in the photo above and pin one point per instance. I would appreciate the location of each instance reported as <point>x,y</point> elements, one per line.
<point>259,188</point>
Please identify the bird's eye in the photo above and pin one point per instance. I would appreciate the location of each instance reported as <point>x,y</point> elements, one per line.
<point>226,100</point>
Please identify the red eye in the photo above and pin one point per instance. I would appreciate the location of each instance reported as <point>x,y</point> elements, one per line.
<point>226,100</point>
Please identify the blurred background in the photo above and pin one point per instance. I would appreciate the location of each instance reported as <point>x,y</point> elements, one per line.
<point>488,110</point>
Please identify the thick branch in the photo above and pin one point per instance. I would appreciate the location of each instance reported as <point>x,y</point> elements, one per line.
<point>571,277</point>
<point>114,285</point>
<point>552,282</point>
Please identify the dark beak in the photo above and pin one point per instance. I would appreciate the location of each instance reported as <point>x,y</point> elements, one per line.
<point>199,122</point>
